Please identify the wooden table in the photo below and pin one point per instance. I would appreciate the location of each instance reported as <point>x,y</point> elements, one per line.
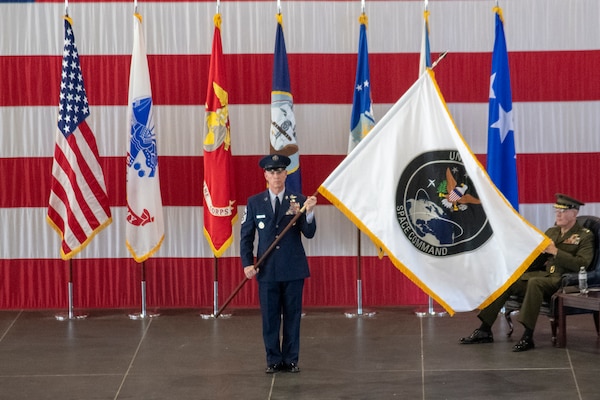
<point>590,301</point>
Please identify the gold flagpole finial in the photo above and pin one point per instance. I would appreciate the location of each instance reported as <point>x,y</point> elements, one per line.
<point>363,19</point>
<point>498,11</point>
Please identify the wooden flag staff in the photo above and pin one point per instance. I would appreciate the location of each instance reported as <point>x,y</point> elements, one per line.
<point>264,256</point>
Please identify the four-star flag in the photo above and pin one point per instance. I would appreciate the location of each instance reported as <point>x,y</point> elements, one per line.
<point>425,199</point>
<point>283,122</point>
<point>78,206</point>
<point>501,155</point>
<point>361,119</point>
<point>220,208</point>
<point>144,232</point>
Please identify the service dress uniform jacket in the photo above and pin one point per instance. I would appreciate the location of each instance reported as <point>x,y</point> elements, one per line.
<point>575,249</point>
<point>288,260</point>
<point>544,276</point>
<point>281,275</point>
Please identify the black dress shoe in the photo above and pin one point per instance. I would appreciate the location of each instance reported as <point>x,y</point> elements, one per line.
<point>273,368</point>
<point>478,336</point>
<point>526,343</point>
<point>292,367</point>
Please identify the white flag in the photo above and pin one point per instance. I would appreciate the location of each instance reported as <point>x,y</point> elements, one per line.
<point>416,189</point>
<point>145,224</point>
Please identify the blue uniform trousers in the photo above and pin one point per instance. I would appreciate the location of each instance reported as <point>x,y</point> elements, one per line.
<point>281,302</point>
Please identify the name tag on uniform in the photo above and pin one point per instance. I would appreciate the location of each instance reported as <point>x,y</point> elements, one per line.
<point>261,216</point>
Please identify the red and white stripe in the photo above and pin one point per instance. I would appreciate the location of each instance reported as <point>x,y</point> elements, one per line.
<point>77,206</point>
<point>554,50</point>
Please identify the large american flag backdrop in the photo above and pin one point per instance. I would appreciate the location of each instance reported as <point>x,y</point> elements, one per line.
<point>554,53</point>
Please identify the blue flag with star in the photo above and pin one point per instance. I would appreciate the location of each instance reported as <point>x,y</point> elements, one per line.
<point>361,120</point>
<point>501,155</point>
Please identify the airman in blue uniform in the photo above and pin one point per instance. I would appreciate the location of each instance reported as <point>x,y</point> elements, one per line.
<point>281,276</point>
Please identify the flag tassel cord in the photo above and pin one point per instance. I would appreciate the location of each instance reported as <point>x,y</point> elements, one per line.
<point>263,257</point>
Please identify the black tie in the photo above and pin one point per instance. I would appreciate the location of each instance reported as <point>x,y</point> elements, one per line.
<point>277,205</point>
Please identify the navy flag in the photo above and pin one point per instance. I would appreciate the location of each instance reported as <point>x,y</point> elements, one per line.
<point>283,123</point>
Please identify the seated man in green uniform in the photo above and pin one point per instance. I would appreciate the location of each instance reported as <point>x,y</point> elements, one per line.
<point>572,247</point>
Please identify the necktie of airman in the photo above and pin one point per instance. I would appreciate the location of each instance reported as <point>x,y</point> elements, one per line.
<point>277,205</point>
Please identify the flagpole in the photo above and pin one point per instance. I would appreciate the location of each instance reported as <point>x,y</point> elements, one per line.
<point>264,256</point>
<point>70,313</point>
<point>430,309</point>
<point>143,314</point>
<point>359,306</point>
<point>215,312</point>
<point>215,285</point>
<point>357,106</point>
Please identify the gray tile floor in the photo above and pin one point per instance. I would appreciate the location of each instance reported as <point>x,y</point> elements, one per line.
<point>391,355</point>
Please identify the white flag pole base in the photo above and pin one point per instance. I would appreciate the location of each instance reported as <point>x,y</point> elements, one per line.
<point>212,316</point>
<point>146,315</point>
<point>70,314</point>
<point>215,296</point>
<point>143,314</point>
<point>430,311</point>
<point>360,314</point>
<point>359,309</point>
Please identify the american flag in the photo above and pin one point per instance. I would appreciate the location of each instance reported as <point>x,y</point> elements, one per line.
<point>78,207</point>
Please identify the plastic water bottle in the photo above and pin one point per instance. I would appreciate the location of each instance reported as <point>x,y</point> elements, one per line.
<point>583,285</point>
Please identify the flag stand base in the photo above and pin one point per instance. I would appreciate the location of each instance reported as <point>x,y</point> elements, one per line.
<point>212,316</point>
<point>360,314</point>
<point>137,316</point>
<point>430,312</point>
<point>69,316</point>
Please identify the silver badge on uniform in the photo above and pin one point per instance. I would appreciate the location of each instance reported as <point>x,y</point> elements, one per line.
<point>261,225</point>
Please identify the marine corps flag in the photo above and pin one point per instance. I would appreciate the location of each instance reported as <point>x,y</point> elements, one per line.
<point>501,155</point>
<point>416,189</point>
<point>283,123</point>
<point>220,209</point>
<point>145,229</point>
